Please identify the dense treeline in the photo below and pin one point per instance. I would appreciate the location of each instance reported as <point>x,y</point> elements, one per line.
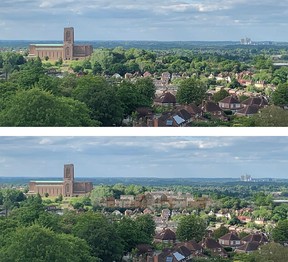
<point>31,96</point>
<point>30,233</point>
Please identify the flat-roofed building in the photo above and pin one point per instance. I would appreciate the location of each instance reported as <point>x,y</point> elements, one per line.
<point>67,187</point>
<point>67,51</point>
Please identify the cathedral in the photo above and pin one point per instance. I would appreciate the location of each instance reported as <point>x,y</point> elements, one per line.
<point>68,187</point>
<point>67,51</point>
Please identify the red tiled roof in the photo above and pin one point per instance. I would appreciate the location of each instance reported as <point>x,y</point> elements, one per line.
<point>248,110</point>
<point>260,238</point>
<point>255,101</point>
<point>211,107</point>
<point>249,246</point>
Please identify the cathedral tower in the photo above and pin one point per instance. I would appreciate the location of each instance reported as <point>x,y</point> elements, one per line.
<point>68,43</point>
<point>68,180</point>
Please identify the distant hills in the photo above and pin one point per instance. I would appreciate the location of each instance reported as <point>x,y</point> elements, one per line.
<point>144,181</point>
<point>162,45</point>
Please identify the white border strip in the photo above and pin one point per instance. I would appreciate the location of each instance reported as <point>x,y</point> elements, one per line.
<point>145,131</point>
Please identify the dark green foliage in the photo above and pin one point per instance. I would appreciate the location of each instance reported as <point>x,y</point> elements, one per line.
<point>35,107</point>
<point>101,99</point>
<point>280,232</point>
<point>100,235</point>
<point>191,228</point>
<point>220,95</point>
<point>219,232</point>
<point>35,244</point>
<point>191,90</point>
<point>280,95</point>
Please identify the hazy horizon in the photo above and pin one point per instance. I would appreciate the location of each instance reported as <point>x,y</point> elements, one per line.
<point>188,20</point>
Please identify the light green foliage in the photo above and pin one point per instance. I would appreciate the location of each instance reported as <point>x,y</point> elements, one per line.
<point>100,192</point>
<point>271,252</point>
<point>262,212</point>
<point>280,232</point>
<point>280,212</point>
<point>280,76</point>
<point>271,116</point>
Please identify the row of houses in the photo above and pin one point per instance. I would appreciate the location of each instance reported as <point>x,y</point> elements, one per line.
<point>186,251</point>
<point>155,200</point>
<point>182,115</point>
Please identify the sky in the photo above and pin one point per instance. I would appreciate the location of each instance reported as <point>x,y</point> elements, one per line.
<point>148,156</point>
<point>158,20</point>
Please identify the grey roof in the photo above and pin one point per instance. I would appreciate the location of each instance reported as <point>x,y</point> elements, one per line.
<point>179,120</point>
<point>178,256</point>
<point>51,45</point>
<point>44,182</point>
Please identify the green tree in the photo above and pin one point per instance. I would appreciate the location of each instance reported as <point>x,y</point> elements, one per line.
<point>191,228</point>
<point>101,98</point>
<point>36,107</point>
<point>100,192</point>
<point>35,243</point>
<point>271,252</point>
<point>219,232</point>
<point>127,231</point>
<point>145,226</point>
<point>271,116</point>
<point>191,90</point>
<point>280,212</point>
<point>100,235</point>
<point>146,89</point>
<point>220,95</point>
<point>280,232</point>
<point>280,95</point>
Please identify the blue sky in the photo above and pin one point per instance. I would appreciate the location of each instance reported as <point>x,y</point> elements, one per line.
<point>149,156</point>
<point>194,20</point>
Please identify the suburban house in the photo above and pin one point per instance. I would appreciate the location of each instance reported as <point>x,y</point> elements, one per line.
<point>249,110</point>
<point>165,236</point>
<point>259,101</point>
<point>229,103</point>
<point>213,109</point>
<point>193,246</point>
<point>166,99</point>
<point>213,246</point>
<point>229,240</point>
<point>260,238</point>
<point>247,247</point>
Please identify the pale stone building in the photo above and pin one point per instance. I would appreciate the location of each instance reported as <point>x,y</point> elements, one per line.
<point>67,187</point>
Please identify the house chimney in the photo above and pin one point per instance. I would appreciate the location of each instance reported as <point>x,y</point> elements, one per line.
<point>155,122</point>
